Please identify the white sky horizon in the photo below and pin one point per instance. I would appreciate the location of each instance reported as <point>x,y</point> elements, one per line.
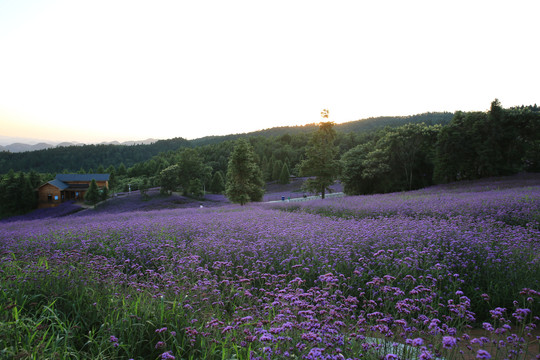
<point>119,70</point>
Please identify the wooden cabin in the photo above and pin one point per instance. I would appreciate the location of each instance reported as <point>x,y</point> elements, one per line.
<point>66,187</point>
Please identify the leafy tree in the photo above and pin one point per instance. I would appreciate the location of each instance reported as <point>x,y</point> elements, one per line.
<point>321,160</point>
<point>480,144</point>
<point>276,171</point>
<point>285,176</point>
<point>394,159</point>
<point>92,194</point>
<point>365,170</point>
<point>195,187</point>
<point>244,177</point>
<point>191,167</point>
<point>409,149</point>
<point>218,183</point>
<point>168,179</point>
<point>143,189</point>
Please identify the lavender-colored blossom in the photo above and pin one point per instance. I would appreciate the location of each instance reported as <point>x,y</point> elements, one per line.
<point>483,354</point>
<point>449,342</point>
<point>167,356</point>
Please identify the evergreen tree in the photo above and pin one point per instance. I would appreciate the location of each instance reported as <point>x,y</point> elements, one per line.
<point>92,194</point>
<point>244,177</point>
<point>285,176</point>
<point>104,193</point>
<point>321,160</point>
<point>276,171</point>
<point>112,178</point>
<point>122,171</point>
<point>10,198</point>
<point>35,179</point>
<point>28,199</point>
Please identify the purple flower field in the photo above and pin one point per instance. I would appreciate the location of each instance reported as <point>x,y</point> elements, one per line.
<point>441,273</point>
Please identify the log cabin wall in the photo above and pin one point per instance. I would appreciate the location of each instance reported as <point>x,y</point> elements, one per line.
<point>49,196</point>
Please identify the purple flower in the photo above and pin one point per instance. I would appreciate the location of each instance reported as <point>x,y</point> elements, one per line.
<point>391,357</point>
<point>488,326</point>
<point>167,356</point>
<point>449,342</point>
<point>425,355</point>
<point>482,354</point>
<point>161,330</point>
<point>314,353</point>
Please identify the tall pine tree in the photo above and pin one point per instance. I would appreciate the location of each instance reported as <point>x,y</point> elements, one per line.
<point>244,177</point>
<point>321,160</point>
<point>92,194</point>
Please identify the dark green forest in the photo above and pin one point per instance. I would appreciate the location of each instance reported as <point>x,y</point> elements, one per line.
<point>375,155</point>
<point>73,158</point>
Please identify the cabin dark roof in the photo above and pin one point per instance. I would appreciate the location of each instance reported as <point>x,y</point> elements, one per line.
<point>82,177</point>
<point>59,184</point>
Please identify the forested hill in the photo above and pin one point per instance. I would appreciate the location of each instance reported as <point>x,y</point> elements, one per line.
<point>73,158</point>
<point>90,157</point>
<point>358,126</point>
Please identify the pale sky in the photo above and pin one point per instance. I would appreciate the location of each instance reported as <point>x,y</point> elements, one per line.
<point>103,70</point>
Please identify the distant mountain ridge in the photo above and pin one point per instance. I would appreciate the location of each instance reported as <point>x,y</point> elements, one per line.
<point>17,147</point>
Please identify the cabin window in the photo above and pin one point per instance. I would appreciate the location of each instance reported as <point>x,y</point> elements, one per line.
<point>49,197</point>
<point>55,197</point>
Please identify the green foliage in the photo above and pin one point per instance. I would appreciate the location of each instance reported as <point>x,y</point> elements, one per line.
<point>276,170</point>
<point>285,176</point>
<point>192,172</point>
<point>92,194</point>
<point>196,187</point>
<point>112,177</point>
<point>321,159</point>
<point>217,186</point>
<point>17,193</point>
<point>244,177</point>
<point>143,189</point>
<point>104,193</point>
<point>86,156</point>
<point>122,171</point>
<point>396,159</point>
<point>169,179</point>
<point>477,144</point>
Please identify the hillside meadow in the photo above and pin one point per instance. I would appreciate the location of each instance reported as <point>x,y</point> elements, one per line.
<point>448,272</point>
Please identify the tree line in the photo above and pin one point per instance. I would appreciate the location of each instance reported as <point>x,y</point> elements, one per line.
<point>73,158</point>
<point>471,145</point>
